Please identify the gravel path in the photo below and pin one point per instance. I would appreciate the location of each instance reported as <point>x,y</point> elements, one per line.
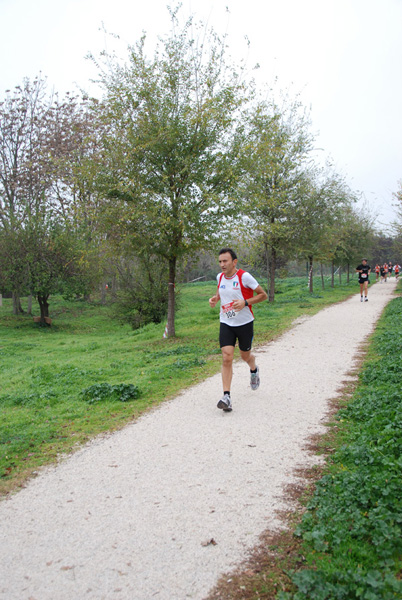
<point>129,515</point>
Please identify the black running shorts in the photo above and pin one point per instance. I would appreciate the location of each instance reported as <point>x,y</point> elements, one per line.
<point>244,333</point>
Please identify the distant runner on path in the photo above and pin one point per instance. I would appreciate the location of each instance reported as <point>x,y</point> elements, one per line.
<point>364,271</point>
<point>236,294</point>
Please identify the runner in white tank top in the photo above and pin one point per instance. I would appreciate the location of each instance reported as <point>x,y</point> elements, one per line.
<point>235,292</point>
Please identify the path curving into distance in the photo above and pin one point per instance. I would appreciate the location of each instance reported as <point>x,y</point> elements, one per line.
<point>129,516</point>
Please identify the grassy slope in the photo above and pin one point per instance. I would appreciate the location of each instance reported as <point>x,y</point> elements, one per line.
<point>43,371</point>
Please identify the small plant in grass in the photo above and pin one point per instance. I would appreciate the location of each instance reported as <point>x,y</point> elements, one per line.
<point>183,365</point>
<point>124,392</point>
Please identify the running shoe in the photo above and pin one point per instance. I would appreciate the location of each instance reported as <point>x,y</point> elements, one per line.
<point>255,380</point>
<point>361,298</point>
<point>225,403</point>
<point>366,299</point>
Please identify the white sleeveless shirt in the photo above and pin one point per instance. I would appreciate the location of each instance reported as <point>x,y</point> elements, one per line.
<point>229,290</point>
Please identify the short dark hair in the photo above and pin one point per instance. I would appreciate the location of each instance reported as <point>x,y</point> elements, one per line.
<point>231,252</point>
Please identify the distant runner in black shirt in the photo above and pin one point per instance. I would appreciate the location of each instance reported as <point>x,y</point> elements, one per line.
<point>364,271</point>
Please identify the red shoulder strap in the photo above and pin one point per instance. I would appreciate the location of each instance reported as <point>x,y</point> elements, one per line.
<point>246,292</point>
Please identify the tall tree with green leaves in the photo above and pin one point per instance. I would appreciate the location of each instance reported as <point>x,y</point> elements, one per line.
<point>56,263</point>
<point>168,150</point>
<point>276,147</point>
<point>24,172</point>
<point>355,235</point>
<point>36,215</point>
<point>315,218</point>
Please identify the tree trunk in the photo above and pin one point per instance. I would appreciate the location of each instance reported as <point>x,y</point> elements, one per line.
<point>17,308</point>
<point>348,273</point>
<point>44,308</point>
<point>340,275</point>
<point>267,262</point>
<point>103,289</point>
<point>332,274</point>
<point>310,274</point>
<point>1,300</point>
<point>272,272</point>
<point>322,277</point>
<point>15,303</point>
<point>114,287</point>
<point>29,308</point>
<point>171,298</point>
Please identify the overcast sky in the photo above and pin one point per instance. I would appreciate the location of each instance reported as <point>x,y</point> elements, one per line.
<point>343,56</point>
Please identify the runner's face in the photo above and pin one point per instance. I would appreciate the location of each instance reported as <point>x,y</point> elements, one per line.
<point>227,264</point>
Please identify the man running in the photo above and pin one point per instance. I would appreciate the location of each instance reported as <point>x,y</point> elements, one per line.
<point>364,271</point>
<point>236,294</point>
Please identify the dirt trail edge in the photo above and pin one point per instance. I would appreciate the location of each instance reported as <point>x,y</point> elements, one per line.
<point>163,507</point>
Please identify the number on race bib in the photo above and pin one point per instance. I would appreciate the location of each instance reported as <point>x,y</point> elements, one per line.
<point>228,310</point>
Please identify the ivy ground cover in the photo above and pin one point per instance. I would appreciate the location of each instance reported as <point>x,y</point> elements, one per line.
<point>352,530</point>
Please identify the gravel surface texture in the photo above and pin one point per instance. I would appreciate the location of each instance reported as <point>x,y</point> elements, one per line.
<point>130,516</point>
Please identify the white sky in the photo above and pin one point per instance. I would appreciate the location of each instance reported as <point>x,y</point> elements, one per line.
<point>343,56</point>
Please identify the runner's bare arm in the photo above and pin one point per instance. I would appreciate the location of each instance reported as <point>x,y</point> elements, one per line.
<point>261,295</point>
<point>214,300</point>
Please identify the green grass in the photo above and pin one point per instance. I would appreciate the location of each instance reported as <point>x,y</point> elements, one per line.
<point>352,530</point>
<point>45,373</point>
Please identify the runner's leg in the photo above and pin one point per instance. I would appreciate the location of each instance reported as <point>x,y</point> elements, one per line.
<point>227,367</point>
<point>249,358</point>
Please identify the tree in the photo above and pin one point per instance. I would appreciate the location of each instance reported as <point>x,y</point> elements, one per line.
<point>76,153</point>
<point>168,148</point>
<point>314,219</point>
<point>36,214</point>
<point>276,146</point>
<point>355,231</point>
<point>24,172</point>
<point>56,264</point>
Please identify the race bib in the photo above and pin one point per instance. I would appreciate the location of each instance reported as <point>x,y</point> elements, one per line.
<point>364,274</point>
<point>228,310</point>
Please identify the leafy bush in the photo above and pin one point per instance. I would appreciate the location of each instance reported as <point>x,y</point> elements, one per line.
<point>143,297</point>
